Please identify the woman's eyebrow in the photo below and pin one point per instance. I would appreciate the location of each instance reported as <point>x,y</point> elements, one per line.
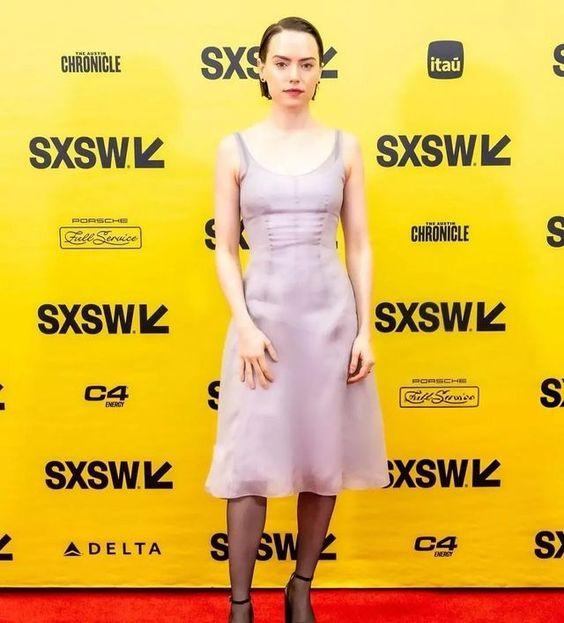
<point>308,58</point>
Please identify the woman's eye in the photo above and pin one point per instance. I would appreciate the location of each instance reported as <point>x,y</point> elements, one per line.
<point>308,65</point>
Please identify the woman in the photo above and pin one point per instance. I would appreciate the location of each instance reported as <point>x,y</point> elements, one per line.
<point>298,411</point>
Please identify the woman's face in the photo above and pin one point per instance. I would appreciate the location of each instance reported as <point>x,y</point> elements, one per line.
<point>292,62</point>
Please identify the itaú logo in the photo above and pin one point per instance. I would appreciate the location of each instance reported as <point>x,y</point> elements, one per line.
<point>445,59</point>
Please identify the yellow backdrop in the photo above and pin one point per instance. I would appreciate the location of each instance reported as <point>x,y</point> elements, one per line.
<point>112,319</point>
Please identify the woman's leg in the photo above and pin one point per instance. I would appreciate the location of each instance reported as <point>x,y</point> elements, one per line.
<point>314,516</point>
<point>246,517</point>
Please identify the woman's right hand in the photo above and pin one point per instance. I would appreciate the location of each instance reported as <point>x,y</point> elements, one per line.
<point>252,342</point>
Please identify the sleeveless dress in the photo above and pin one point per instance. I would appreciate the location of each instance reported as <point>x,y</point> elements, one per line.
<point>309,430</point>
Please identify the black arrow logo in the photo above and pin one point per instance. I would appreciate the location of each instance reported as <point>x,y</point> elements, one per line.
<point>480,478</point>
<point>143,158</point>
<point>484,322</point>
<point>489,155</point>
<point>3,542</point>
<point>147,323</point>
<point>153,481</point>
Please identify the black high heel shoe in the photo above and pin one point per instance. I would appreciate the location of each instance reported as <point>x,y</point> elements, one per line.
<point>287,602</point>
<point>241,601</point>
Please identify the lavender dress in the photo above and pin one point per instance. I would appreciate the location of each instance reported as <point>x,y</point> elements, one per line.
<point>309,430</point>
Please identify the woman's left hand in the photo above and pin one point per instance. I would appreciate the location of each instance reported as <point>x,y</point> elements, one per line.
<point>361,354</point>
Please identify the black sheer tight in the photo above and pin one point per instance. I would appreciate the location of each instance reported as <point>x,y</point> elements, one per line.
<point>246,518</point>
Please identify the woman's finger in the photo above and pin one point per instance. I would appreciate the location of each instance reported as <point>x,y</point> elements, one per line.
<point>360,374</point>
<point>249,375</point>
<point>354,362</point>
<point>271,350</point>
<point>264,367</point>
<point>259,373</point>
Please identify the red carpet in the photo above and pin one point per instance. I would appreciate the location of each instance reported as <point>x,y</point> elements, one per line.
<point>331,606</point>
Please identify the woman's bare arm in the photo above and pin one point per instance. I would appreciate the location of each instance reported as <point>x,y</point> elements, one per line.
<point>355,229</point>
<point>228,230</point>
<point>251,340</point>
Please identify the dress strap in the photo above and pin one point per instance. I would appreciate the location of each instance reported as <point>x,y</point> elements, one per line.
<point>337,144</point>
<point>243,152</point>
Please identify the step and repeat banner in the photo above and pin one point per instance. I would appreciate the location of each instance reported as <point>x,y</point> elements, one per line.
<point>113,321</point>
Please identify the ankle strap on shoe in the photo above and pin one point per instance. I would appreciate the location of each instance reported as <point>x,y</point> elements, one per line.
<point>239,601</point>
<point>302,577</point>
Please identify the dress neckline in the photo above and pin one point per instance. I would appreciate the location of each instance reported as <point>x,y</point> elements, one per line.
<point>320,166</point>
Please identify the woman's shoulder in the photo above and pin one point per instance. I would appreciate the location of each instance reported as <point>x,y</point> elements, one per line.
<point>228,143</point>
<point>349,138</point>
<point>350,150</point>
<point>228,154</point>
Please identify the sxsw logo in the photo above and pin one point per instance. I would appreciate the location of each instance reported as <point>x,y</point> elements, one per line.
<point>445,59</point>
<point>550,544</point>
<point>87,152</point>
<point>226,63</point>
<point>558,54</point>
<point>552,390</point>
<point>90,318</point>
<point>209,240</point>
<point>278,546</point>
<point>449,473</point>
<point>555,226</point>
<point>107,475</point>
<point>430,316</point>
<point>433,150</point>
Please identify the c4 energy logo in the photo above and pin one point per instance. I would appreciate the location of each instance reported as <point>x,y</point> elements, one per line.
<point>442,547</point>
<point>92,319</point>
<point>433,150</point>
<point>113,396</point>
<point>106,475</point>
<point>86,152</point>
<point>445,59</point>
